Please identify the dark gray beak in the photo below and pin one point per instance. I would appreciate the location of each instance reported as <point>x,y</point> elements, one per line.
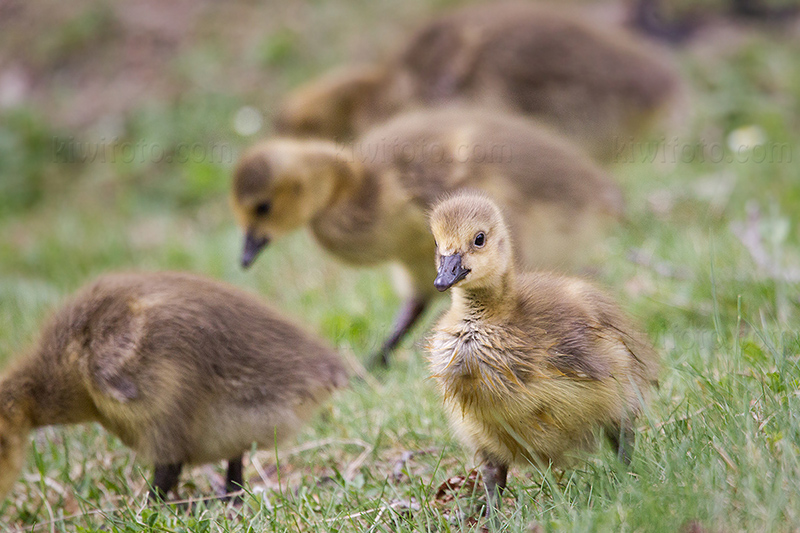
<point>450,272</point>
<point>252,246</point>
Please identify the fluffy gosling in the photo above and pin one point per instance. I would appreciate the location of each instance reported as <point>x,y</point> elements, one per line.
<point>598,86</point>
<point>182,369</point>
<point>529,365</point>
<point>367,202</point>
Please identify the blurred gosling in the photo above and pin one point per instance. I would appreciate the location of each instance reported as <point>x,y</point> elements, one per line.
<point>182,369</point>
<point>367,202</point>
<point>529,365</point>
<point>599,86</point>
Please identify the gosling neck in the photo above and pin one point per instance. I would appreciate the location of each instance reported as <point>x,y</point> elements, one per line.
<point>348,178</point>
<point>486,302</point>
<point>346,225</point>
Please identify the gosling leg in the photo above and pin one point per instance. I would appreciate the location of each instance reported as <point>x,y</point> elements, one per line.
<point>234,480</point>
<point>495,474</point>
<point>622,438</point>
<point>165,478</point>
<point>405,320</point>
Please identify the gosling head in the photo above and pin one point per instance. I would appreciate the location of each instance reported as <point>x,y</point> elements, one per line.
<point>473,245</point>
<point>279,186</point>
<point>14,431</point>
<point>328,108</point>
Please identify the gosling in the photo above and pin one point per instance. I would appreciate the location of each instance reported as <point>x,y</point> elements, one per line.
<point>529,365</point>
<point>599,86</point>
<point>182,369</point>
<point>367,202</point>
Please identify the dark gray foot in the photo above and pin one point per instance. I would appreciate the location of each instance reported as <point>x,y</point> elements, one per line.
<point>165,479</point>
<point>406,318</point>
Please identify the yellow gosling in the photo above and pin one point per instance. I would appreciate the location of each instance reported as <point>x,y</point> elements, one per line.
<point>530,365</point>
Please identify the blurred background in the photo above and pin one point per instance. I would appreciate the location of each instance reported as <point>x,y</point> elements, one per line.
<point>120,123</point>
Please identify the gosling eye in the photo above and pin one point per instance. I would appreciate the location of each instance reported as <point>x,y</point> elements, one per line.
<point>480,240</point>
<point>263,208</point>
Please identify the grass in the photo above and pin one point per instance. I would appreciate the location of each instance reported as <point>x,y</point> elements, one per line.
<point>718,446</point>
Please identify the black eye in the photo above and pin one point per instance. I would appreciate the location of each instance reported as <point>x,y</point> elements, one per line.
<point>263,208</point>
<point>480,239</point>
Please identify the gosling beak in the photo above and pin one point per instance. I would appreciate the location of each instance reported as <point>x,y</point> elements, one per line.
<point>252,246</point>
<point>450,272</point>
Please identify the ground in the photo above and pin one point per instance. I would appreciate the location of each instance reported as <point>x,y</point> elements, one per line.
<point>118,132</point>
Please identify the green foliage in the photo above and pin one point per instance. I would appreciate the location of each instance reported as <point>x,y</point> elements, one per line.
<point>278,48</point>
<point>78,34</point>
<point>28,153</point>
